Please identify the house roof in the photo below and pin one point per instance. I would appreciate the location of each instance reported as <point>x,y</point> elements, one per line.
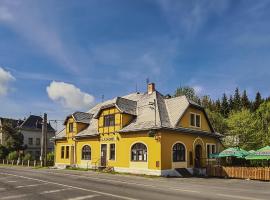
<point>35,122</point>
<point>167,114</point>
<point>124,105</point>
<point>82,117</point>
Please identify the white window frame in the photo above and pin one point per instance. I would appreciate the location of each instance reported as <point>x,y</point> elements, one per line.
<point>210,144</point>
<point>195,120</point>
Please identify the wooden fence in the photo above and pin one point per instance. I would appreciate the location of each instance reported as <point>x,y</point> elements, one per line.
<point>255,173</point>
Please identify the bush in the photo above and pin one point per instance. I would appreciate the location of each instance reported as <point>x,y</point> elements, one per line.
<point>3,152</point>
<point>13,155</point>
<point>50,157</point>
<point>27,157</point>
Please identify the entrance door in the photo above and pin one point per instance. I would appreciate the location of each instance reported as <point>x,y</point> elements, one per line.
<point>198,156</point>
<point>103,157</point>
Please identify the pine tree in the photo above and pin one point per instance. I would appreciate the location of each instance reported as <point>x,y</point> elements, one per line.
<point>231,103</point>
<point>206,102</point>
<point>245,101</point>
<point>237,100</point>
<point>218,106</point>
<point>224,106</point>
<point>258,101</point>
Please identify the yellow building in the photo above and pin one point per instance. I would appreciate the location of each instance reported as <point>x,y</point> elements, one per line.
<point>144,133</point>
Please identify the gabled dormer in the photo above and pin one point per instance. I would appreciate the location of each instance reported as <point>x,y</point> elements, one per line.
<point>115,115</point>
<point>195,118</point>
<point>76,122</point>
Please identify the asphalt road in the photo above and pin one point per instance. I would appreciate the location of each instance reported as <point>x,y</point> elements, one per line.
<point>26,183</point>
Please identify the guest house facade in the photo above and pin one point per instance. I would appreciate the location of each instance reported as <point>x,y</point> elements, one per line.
<point>143,133</point>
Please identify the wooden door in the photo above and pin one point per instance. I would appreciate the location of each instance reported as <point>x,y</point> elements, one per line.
<point>198,156</point>
<point>103,152</point>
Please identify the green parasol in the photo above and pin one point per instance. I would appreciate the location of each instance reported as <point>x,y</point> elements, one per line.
<point>213,155</point>
<point>233,152</point>
<point>261,154</point>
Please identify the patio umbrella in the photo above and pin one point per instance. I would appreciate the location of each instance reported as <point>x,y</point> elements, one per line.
<point>261,154</point>
<point>233,152</point>
<point>251,152</point>
<point>214,155</point>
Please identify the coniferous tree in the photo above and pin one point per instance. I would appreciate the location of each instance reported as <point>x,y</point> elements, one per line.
<point>245,100</point>
<point>224,106</point>
<point>237,100</point>
<point>231,106</point>
<point>189,92</point>
<point>218,106</point>
<point>206,102</point>
<point>258,101</point>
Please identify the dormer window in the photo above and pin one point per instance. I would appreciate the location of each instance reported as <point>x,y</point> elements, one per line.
<point>195,120</point>
<point>109,120</point>
<point>70,127</point>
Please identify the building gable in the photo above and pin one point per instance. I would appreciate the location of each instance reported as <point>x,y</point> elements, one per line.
<point>195,118</point>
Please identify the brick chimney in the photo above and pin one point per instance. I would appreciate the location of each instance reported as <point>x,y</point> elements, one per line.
<point>151,88</point>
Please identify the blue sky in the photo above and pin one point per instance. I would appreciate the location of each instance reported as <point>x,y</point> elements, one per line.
<point>61,56</point>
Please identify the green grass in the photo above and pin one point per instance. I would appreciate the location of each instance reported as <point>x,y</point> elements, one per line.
<point>111,172</point>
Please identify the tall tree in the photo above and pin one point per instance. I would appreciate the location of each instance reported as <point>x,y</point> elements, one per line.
<point>231,103</point>
<point>263,123</point>
<point>242,128</point>
<point>218,106</point>
<point>218,121</point>
<point>245,101</point>
<point>237,100</point>
<point>206,102</point>
<point>257,102</point>
<point>224,106</point>
<point>13,137</point>
<point>189,92</point>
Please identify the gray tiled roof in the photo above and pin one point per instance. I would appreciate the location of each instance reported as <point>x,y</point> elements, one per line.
<point>82,117</point>
<point>168,112</point>
<point>61,134</point>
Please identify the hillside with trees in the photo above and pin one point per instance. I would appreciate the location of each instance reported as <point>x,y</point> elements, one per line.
<point>245,122</point>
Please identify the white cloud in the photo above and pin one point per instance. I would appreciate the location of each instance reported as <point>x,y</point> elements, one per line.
<point>5,79</point>
<point>69,95</point>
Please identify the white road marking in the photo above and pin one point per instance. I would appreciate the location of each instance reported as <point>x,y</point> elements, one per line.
<point>129,183</point>
<point>239,197</point>
<point>11,181</point>
<point>74,187</point>
<point>34,185</point>
<point>13,197</point>
<point>54,191</point>
<point>183,184</point>
<point>83,197</point>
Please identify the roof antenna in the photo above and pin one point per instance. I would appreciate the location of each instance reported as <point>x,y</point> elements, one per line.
<point>102,98</point>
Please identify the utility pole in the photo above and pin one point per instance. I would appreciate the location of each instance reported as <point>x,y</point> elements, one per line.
<point>43,152</point>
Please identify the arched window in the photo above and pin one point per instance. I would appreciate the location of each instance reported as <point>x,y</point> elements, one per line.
<point>179,152</point>
<point>86,152</point>
<point>139,152</point>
